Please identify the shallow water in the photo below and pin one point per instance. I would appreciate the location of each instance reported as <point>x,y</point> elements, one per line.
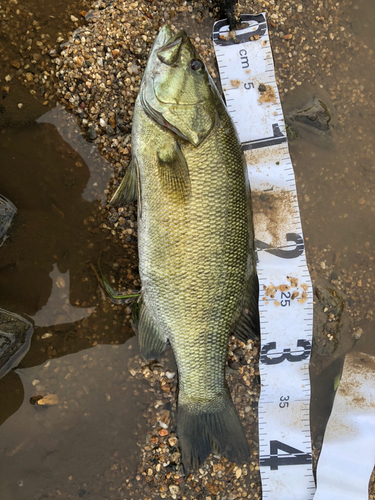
<point>56,181</point>
<point>46,275</point>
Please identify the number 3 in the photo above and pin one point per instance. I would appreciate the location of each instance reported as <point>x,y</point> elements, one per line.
<point>286,354</point>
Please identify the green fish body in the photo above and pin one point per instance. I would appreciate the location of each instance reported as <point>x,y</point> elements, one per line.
<point>195,241</point>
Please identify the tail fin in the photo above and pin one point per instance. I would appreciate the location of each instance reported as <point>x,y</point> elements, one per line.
<point>216,428</point>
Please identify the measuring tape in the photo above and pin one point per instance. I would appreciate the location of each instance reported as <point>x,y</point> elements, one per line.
<point>286,297</point>
<point>348,453</point>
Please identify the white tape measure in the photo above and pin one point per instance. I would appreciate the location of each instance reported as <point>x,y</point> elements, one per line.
<point>348,454</point>
<point>286,298</point>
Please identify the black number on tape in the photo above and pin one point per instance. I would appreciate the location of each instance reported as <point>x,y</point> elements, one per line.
<point>284,402</point>
<point>248,85</point>
<point>289,252</point>
<point>287,354</point>
<point>285,296</point>
<point>291,456</point>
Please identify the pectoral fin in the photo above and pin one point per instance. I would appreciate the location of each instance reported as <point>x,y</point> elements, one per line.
<point>173,171</point>
<point>152,343</point>
<point>128,190</point>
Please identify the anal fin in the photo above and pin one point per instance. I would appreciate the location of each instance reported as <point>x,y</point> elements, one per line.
<point>151,341</point>
<point>248,325</point>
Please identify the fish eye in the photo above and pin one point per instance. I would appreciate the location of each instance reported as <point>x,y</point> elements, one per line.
<point>196,65</point>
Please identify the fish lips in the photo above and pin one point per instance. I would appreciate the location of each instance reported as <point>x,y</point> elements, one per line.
<point>164,35</point>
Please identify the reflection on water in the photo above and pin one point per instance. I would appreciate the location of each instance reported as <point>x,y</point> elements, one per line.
<point>45,262</point>
<point>58,309</point>
<point>100,169</point>
<point>335,181</point>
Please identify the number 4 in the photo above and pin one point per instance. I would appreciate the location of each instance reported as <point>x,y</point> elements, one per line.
<point>292,456</point>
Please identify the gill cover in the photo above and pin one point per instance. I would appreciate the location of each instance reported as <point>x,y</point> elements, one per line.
<point>177,90</point>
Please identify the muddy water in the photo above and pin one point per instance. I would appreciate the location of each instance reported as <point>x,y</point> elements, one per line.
<point>46,274</point>
<point>81,343</point>
<point>335,175</point>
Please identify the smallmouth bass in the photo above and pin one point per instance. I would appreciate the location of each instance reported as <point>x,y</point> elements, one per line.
<point>195,241</point>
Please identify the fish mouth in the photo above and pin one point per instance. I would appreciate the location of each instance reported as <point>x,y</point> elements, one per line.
<point>165,34</point>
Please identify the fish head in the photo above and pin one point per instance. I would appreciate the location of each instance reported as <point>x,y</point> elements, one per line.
<point>177,90</point>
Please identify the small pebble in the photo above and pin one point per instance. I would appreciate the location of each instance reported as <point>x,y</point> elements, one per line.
<point>49,400</point>
<point>46,335</point>
<point>174,489</point>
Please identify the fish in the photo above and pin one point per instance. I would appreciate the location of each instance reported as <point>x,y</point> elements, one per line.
<point>197,259</point>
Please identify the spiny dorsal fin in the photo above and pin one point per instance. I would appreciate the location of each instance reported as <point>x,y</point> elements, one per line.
<point>174,172</point>
<point>128,189</point>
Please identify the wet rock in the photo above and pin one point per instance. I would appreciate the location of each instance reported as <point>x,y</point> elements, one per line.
<point>7,211</point>
<point>317,115</point>
<point>48,400</point>
<point>310,114</point>
<point>15,337</point>
<point>262,87</point>
<point>332,333</point>
<point>110,130</point>
<point>234,365</point>
<point>91,133</point>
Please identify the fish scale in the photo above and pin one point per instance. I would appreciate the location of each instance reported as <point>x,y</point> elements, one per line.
<point>201,256</point>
